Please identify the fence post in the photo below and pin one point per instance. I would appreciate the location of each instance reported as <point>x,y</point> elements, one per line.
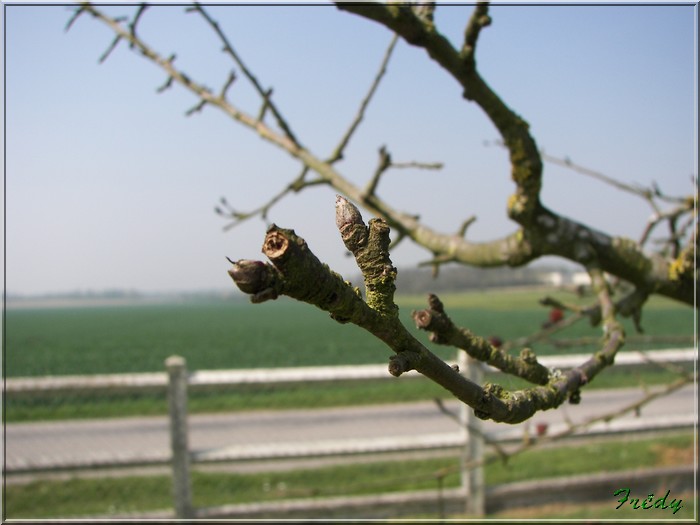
<point>177,402</point>
<point>472,477</point>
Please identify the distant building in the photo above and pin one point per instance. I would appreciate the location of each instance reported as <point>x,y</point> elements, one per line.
<point>565,278</point>
<point>553,278</point>
<point>580,279</point>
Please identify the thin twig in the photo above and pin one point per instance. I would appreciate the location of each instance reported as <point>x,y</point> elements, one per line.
<point>636,190</point>
<point>479,19</point>
<point>384,164</point>
<point>574,428</point>
<point>78,11</point>
<point>132,25</point>
<point>228,49</point>
<point>338,153</point>
<point>465,226</point>
<point>283,141</point>
<point>111,48</point>
<point>296,185</point>
<point>229,82</point>
<point>672,216</point>
<point>420,165</point>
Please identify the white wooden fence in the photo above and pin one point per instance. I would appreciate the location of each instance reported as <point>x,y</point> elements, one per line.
<point>204,378</point>
<point>176,379</point>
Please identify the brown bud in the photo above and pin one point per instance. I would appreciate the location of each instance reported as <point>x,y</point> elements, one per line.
<point>250,276</point>
<point>398,364</point>
<point>434,303</point>
<point>496,341</point>
<point>346,213</point>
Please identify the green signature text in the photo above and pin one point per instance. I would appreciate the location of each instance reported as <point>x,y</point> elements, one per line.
<point>648,503</point>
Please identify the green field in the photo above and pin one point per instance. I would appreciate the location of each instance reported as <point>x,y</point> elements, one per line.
<point>236,334</point>
<point>228,334</point>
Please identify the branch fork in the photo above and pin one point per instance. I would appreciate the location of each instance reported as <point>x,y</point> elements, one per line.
<point>296,272</point>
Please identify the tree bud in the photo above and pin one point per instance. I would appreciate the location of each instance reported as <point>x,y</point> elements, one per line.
<point>250,276</point>
<point>346,213</point>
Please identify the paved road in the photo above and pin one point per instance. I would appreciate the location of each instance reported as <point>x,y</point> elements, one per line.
<point>97,441</point>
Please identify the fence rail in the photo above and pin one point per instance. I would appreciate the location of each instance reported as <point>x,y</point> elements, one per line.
<point>206,378</point>
<point>177,381</point>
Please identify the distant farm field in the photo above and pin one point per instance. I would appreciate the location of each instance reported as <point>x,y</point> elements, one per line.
<point>225,334</point>
<point>229,334</point>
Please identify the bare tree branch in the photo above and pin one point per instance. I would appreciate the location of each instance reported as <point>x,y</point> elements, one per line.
<point>575,428</point>
<point>526,164</point>
<point>298,184</point>
<point>264,94</point>
<point>479,19</point>
<point>76,13</point>
<point>443,331</point>
<point>384,164</point>
<point>542,232</point>
<point>685,205</point>
<point>203,93</point>
<point>111,48</point>
<point>338,152</point>
<point>132,26</point>
<point>295,271</point>
<point>419,165</point>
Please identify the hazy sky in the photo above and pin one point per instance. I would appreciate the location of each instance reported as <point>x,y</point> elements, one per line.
<point>109,185</point>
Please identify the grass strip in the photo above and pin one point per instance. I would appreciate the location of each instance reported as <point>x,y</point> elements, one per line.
<point>110,496</point>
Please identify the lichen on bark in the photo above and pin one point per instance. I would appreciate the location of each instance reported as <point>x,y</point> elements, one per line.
<point>296,272</point>
<point>370,247</point>
<point>443,331</point>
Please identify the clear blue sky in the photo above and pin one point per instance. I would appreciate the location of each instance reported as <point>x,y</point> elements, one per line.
<point>109,185</point>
